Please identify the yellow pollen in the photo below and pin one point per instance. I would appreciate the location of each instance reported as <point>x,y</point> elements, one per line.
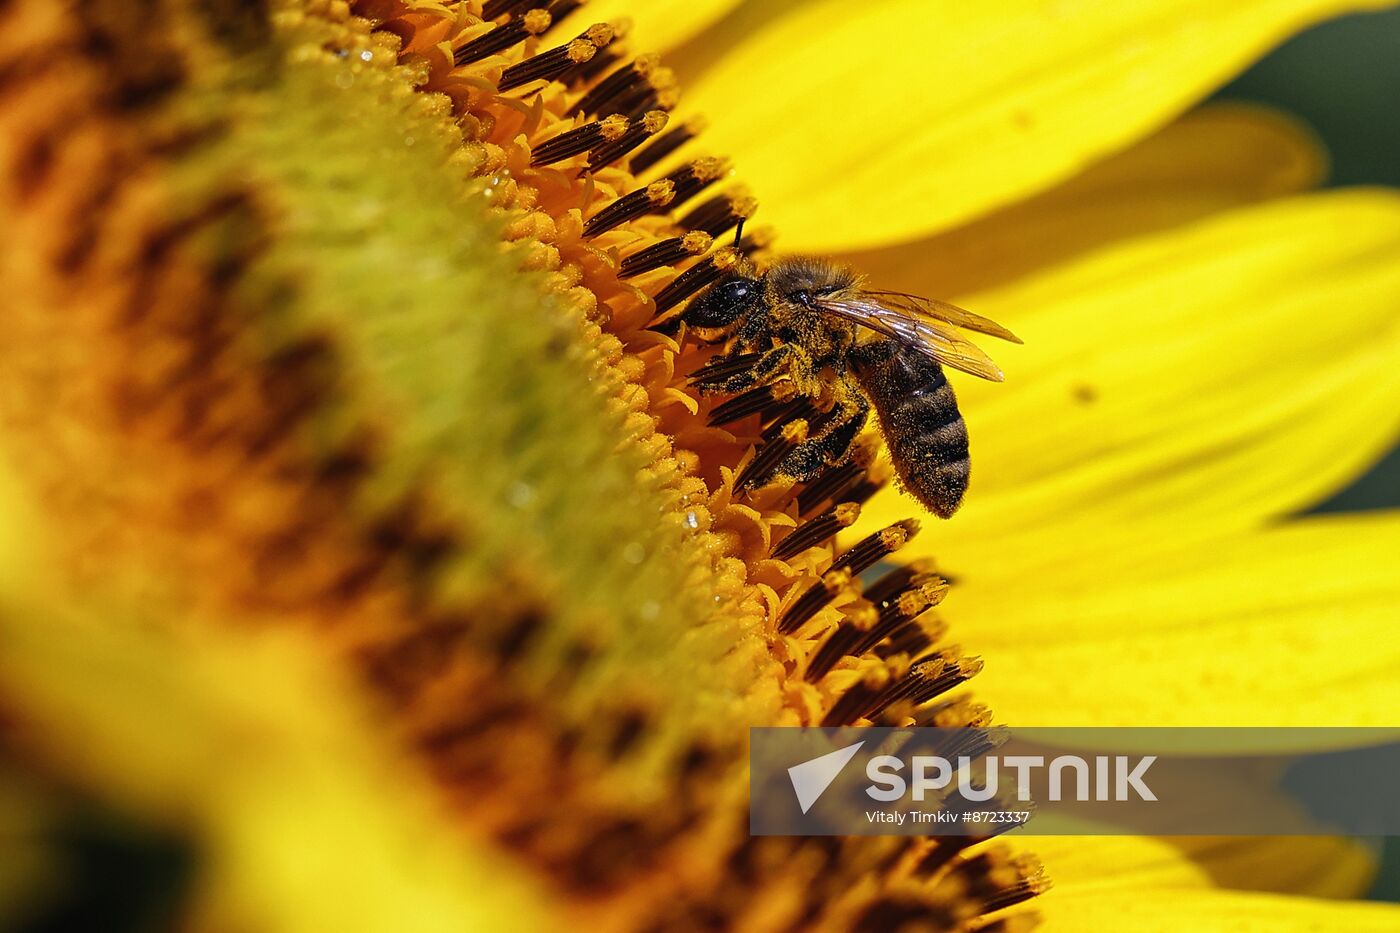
<point>661,192</point>
<point>727,257</point>
<point>893,538</point>
<point>934,592</point>
<point>911,604</point>
<point>969,666</point>
<point>697,242</point>
<point>600,34</point>
<point>581,50</point>
<point>612,127</point>
<point>836,580</point>
<point>796,431</point>
<point>744,207</point>
<point>709,167</point>
<point>847,513</point>
<point>655,121</point>
<point>537,21</point>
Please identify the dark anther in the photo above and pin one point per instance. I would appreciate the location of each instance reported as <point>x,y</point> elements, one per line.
<point>876,547</point>
<point>665,253</point>
<point>502,38</point>
<point>817,530</point>
<point>667,143</point>
<point>816,598</point>
<point>629,207</point>
<point>549,65</point>
<point>642,128</point>
<point>703,273</point>
<point>581,139</point>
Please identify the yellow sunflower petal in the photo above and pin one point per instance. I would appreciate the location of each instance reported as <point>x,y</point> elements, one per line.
<point>1171,911</point>
<point>1294,626</point>
<point>1180,387</point>
<point>1308,863</point>
<point>658,24</point>
<point>873,123</point>
<point>1307,866</point>
<point>1220,157</point>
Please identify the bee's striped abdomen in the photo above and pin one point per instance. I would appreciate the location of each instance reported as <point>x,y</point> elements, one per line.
<point>919,418</point>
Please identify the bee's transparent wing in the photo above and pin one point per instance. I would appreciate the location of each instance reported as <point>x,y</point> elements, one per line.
<point>943,311</point>
<point>933,337</point>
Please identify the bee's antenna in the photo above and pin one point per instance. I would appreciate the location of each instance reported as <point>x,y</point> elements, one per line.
<point>738,232</point>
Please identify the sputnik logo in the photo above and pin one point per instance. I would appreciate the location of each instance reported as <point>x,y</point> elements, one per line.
<point>811,778</point>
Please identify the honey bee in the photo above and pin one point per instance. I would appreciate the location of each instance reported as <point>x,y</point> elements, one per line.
<point>814,328</point>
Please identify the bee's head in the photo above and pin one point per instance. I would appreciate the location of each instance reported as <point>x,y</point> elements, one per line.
<point>723,303</point>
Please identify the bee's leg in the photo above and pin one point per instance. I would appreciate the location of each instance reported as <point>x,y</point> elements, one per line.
<point>771,364</point>
<point>831,444</point>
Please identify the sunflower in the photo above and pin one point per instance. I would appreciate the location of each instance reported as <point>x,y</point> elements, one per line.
<point>392,563</point>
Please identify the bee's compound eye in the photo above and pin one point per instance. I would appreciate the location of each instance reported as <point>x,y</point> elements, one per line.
<point>723,304</point>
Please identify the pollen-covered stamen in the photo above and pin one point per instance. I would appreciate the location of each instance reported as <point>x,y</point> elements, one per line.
<point>931,677</point>
<point>924,681</point>
<point>663,93</point>
<point>999,879</point>
<point>696,176</point>
<point>722,212</point>
<point>719,368</point>
<point>502,37</point>
<point>859,698</point>
<point>838,483</point>
<point>667,143</point>
<point>578,140</point>
<point>909,638</point>
<point>706,272</point>
<point>839,644</point>
<point>605,60</point>
<point>619,86</point>
<point>741,406</point>
<point>829,486</point>
<point>629,207</point>
<point>923,592</point>
<point>791,406</point>
<point>907,608</point>
<point>877,546</point>
<point>958,714</point>
<point>833,583</point>
<point>642,128</point>
<point>666,253</point>
<point>768,401</point>
<point>818,530</point>
<point>898,580</point>
<point>772,453</point>
<point>552,64</point>
<point>562,9</point>
<point>972,743</point>
<point>796,421</point>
